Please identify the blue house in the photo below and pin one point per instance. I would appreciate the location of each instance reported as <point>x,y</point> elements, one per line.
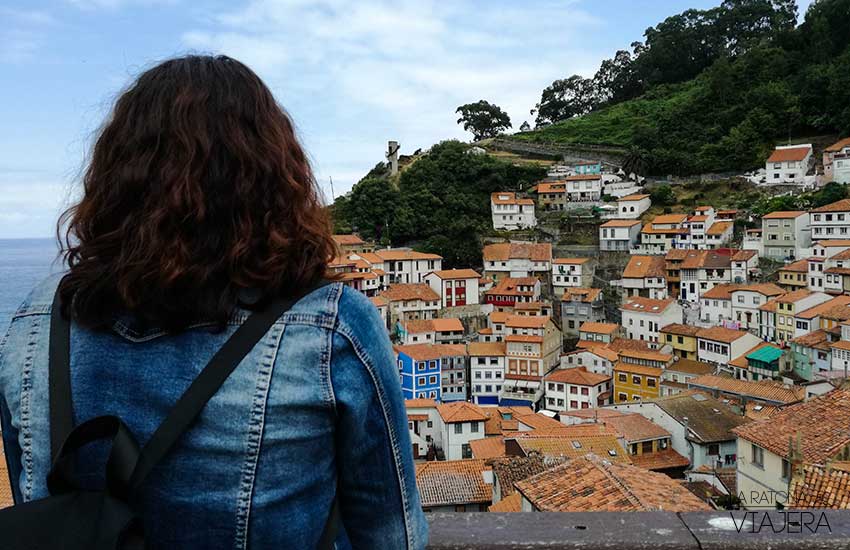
<point>588,167</point>
<point>419,371</point>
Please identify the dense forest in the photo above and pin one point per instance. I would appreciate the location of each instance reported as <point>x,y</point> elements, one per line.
<point>712,90</point>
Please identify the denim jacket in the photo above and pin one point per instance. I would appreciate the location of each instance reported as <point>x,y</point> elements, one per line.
<point>315,409</point>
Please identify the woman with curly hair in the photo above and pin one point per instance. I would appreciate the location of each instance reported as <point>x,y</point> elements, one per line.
<point>200,211</point>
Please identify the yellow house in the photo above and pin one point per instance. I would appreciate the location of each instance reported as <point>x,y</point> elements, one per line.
<point>682,338</point>
<point>794,275</point>
<point>788,305</point>
<point>636,382</point>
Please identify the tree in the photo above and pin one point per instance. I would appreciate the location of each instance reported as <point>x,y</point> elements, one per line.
<point>483,119</point>
<point>565,99</point>
<point>525,126</point>
<point>371,208</point>
<point>662,195</point>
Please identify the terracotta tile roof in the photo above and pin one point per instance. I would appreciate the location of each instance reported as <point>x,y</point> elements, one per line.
<point>843,255</point>
<point>379,301</point>
<point>640,267</point>
<point>552,187</point>
<point>838,270</point>
<point>539,252</point>
<point>524,338</point>
<point>406,292</point>
<point>451,482</point>
<point>819,487</point>
<point>838,206</point>
<point>599,328</point>
<point>709,420</point>
<point>489,447</point>
<point>765,289</point>
<point>527,321</point>
<point>637,369</point>
<point>583,295</point>
<point>502,420</point>
<point>592,483</point>
<point>719,228</point>
<point>460,411</point>
<point>766,390</point>
<point>669,218</point>
<point>680,329</point>
<point>348,240</point>
<point>510,286</point>
<point>635,197</point>
<point>457,274</point>
<point>573,446</point>
<point>757,411</point>
<point>800,266</point>
<point>710,259</point>
<point>433,325</point>
<point>530,306</point>
<point>689,366</point>
<point>769,306</point>
<point>401,254</point>
<point>578,376</point>
<point>789,154</point>
<point>597,413</point>
<point>584,177</point>
<point>841,344</point>
<point>721,334</point>
<point>635,428</point>
<point>647,305</point>
<point>820,425</point>
<point>743,255</point>
<point>620,223</point>
<point>420,403</point>
<point>620,344</point>
<point>818,339</point>
<point>486,349</point>
<point>838,146</point>
<point>570,261</point>
<point>596,348</point>
<point>820,309</point>
<point>660,460</point>
<point>537,421</point>
<point>794,296</point>
<point>509,198</point>
<point>511,469</point>
<point>784,215</point>
<point>512,503</point>
<point>429,352</point>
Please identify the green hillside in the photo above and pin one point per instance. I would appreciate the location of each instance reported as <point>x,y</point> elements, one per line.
<point>777,84</point>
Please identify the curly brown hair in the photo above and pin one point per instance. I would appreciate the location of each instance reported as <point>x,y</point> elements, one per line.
<point>196,192</point>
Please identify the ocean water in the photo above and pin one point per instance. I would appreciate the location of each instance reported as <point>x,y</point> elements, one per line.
<point>23,263</point>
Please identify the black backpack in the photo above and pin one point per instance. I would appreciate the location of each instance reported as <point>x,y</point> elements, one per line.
<point>73,518</point>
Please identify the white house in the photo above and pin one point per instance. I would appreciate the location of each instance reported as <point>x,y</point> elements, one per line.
<point>621,235</point>
<point>831,221</point>
<point>664,233</point>
<point>411,301</point>
<point>720,345</point>
<point>789,164</point>
<point>570,272</point>
<point>644,276</point>
<point>402,265</point>
<point>517,259</point>
<point>632,206</point>
<point>456,287</point>
<point>596,359</point>
<point>575,389</point>
<point>746,301</point>
<point>642,318</point>
<point>424,424</point>
<point>487,369</point>
<point>511,212</point>
<point>462,422</point>
<point>584,188</point>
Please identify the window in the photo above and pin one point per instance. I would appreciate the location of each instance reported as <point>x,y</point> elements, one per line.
<point>635,379</point>
<point>757,455</point>
<point>622,397</point>
<point>622,377</point>
<point>786,469</point>
<point>650,382</point>
<point>475,427</point>
<point>714,449</point>
<point>458,428</point>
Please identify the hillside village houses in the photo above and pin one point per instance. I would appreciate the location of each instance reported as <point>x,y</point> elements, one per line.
<point>789,164</point>
<point>836,162</point>
<point>584,188</point>
<point>511,212</point>
<point>721,357</point>
<point>631,207</point>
